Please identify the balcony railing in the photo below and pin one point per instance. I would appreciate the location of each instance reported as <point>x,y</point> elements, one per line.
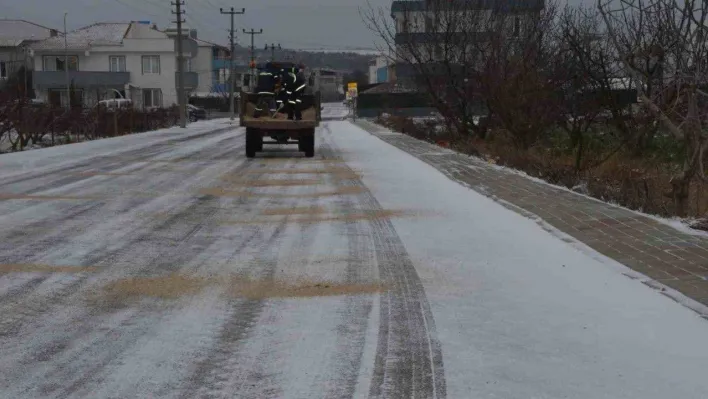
<point>57,79</point>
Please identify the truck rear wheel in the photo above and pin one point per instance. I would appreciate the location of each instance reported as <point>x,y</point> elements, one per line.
<point>254,142</point>
<point>307,143</point>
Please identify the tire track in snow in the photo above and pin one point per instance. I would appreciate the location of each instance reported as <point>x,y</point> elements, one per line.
<point>57,177</point>
<point>202,209</point>
<point>36,304</point>
<point>118,158</point>
<point>351,331</point>
<point>261,377</point>
<point>35,301</point>
<point>87,318</point>
<point>58,225</point>
<point>409,359</point>
<point>73,179</point>
<point>221,372</point>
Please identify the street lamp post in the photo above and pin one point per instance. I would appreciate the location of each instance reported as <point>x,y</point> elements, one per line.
<point>66,68</point>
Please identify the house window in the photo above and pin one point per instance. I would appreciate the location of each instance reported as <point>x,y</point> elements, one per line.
<point>3,70</point>
<point>151,64</point>
<point>58,62</point>
<point>117,63</point>
<point>152,98</point>
<point>429,24</point>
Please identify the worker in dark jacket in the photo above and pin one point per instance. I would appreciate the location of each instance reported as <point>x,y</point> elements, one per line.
<point>281,93</point>
<point>265,89</point>
<point>295,88</point>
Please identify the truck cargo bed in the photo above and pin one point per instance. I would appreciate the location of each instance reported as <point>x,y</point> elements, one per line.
<point>280,121</point>
<point>311,115</point>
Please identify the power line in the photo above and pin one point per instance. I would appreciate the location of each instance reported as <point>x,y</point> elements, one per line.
<point>196,19</point>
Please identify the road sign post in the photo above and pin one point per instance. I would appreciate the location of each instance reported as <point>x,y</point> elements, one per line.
<point>352,94</point>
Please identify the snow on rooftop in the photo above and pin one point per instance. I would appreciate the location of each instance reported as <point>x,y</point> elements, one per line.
<point>104,33</point>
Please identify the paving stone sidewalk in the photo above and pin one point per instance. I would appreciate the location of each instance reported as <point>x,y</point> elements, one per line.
<point>664,254</point>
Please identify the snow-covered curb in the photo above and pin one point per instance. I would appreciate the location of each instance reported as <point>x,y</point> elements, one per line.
<point>681,225</point>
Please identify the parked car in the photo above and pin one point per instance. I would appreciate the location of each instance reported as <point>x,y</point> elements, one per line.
<point>115,103</point>
<point>195,113</point>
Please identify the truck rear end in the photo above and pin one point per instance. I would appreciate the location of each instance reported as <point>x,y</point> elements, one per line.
<point>267,125</point>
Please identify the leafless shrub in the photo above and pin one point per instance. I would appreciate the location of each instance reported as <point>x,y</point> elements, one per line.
<point>662,45</point>
<point>24,124</point>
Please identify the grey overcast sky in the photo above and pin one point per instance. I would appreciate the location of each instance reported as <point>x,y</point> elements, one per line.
<point>297,24</point>
<point>304,24</point>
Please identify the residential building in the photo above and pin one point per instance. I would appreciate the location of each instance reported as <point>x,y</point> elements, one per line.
<point>329,82</point>
<point>220,64</point>
<point>214,65</point>
<point>420,32</point>
<point>133,60</point>
<point>378,69</point>
<point>15,38</point>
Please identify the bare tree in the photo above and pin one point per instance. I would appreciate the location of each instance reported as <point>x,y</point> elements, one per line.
<point>519,77</point>
<point>662,45</point>
<point>434,47</point>
<point>590,95</point>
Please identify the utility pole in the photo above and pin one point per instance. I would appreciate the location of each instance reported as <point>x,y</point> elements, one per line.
<point>180,64</point>
<point>66,68</point>
<point>232,80</point>
<point>272,50</point>
<point>253,34</point>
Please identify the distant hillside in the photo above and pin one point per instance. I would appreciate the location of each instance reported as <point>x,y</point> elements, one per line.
<point>344,61</point>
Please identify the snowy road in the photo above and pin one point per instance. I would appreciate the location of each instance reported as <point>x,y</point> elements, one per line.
<point>166,265</point>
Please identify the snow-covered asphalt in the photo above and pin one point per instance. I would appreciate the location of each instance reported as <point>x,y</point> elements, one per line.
<point>167,265</point>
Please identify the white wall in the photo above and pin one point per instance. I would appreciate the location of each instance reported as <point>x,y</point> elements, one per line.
<point>156,43</point>
<point>202,65</point>
<point>372,72</point>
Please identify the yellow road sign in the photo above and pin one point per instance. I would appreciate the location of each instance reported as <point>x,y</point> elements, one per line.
<point>352,90</point>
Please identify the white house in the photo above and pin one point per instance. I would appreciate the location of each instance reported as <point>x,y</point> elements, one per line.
<point>134,60</point>
<point>378,69</point>
<point>329,83</point>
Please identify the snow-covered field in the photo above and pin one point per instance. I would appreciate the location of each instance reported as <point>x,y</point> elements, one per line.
<point>167,265</point>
